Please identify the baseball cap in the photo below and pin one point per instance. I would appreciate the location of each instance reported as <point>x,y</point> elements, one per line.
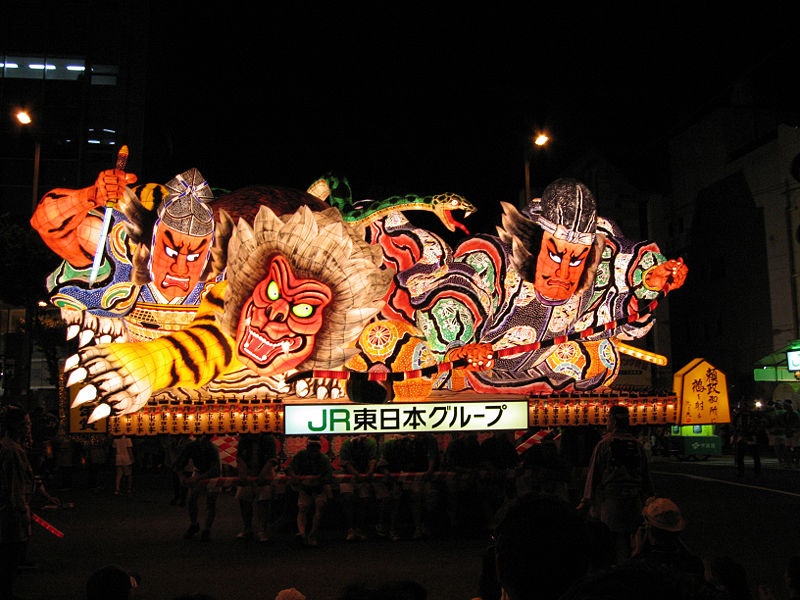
<point>663,513</point>
<point>111,583</point>
<point>314,439</point>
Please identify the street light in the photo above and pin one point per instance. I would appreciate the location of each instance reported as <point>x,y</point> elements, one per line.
<point>540,139</point>
<point>24,118</point>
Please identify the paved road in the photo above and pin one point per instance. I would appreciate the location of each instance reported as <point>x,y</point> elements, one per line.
<point>754,520</point>
<point>144,533</point>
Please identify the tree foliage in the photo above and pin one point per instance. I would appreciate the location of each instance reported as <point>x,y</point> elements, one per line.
<point>25,262</point>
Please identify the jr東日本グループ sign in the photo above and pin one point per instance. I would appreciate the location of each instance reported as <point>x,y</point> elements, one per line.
<point>304,419</point>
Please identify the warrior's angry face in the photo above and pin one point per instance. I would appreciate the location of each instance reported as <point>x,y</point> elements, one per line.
<point>559,267</point>
<point>178,260</point>
<point>280,320</point>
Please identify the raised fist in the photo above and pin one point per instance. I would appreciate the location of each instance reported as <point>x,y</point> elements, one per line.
<point>667,276</point>
<point>109,185</point>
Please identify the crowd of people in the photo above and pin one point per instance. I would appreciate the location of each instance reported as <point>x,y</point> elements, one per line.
<point>580,561</point>
<point>398,485</point>
<point>408,485</point>
<point>382,485</point>
<point>113,582</point>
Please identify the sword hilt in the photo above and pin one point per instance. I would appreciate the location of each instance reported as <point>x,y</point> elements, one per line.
<point>122,162</point>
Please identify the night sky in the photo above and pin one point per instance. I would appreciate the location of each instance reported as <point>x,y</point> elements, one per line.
<point>421,100</point>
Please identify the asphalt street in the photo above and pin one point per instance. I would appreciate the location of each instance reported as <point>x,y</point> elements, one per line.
<point>144,533</point>
<point>755,520</point>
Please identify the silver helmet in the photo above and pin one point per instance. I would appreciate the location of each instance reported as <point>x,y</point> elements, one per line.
<point>185,209</point>
<point>567,210</point>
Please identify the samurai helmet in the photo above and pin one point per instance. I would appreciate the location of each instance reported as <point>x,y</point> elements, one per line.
<point>185,208</point>
<point>567,210</point>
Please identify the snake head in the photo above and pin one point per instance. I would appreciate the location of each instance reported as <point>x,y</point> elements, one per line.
<point>443,206</point>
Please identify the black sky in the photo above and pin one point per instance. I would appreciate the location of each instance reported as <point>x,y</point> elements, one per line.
<point>404,99</point>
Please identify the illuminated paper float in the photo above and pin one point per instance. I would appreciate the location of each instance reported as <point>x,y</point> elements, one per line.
<point>213,365</point>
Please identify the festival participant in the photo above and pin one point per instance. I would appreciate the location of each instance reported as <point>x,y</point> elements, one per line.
<point>256,459</point>
<point>358,457</point>
<point>524,569</point>
<point>123,464</point>
<point>311,475</point>
<point>618,481</point>
<point>16,489</point>
<point>173,447</point>
<point>748,427</point>
<point>773,415</point>
<point>204,457</point>
<point>499,464</point>
<point>407,463</point>
<point>554,270</point>
<point>658,539</point>
<point>791,421</point>
<point>462,460</point>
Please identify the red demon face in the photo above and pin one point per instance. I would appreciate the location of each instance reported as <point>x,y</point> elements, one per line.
<point>281,319</point>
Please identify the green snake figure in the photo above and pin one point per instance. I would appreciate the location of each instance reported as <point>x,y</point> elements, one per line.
<point>337,192</point>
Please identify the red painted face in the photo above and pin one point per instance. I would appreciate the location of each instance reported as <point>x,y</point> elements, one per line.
<point>559,268</point>
<point>178,261</point>
<point>281,319</point>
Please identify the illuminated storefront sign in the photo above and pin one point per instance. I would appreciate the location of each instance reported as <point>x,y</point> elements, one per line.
<point>304,419</point>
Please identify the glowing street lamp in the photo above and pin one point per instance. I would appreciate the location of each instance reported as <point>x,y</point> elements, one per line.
<point>540,139</point>
<point>24,118</point>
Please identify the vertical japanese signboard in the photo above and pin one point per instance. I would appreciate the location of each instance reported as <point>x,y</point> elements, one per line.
<point>702,390</point>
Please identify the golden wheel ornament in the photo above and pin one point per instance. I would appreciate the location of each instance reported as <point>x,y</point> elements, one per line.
<point>566,352</point>
<point>379,339</point>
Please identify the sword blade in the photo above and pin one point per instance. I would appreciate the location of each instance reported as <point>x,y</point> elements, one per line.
<point>122,161</point>
<point>101,244</point>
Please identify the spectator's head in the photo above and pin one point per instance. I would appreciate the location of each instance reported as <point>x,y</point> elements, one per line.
<point>404,589</point>
<point>727,576</point>
<point>787,404</point>
<point>662,522</point>
<point>618,417</point>
<point>290,594</point>
<point>314,443</point>
<point>542,545</point>
<point>663,514</point>
<point>112,583</point>
<point>16,423</point>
